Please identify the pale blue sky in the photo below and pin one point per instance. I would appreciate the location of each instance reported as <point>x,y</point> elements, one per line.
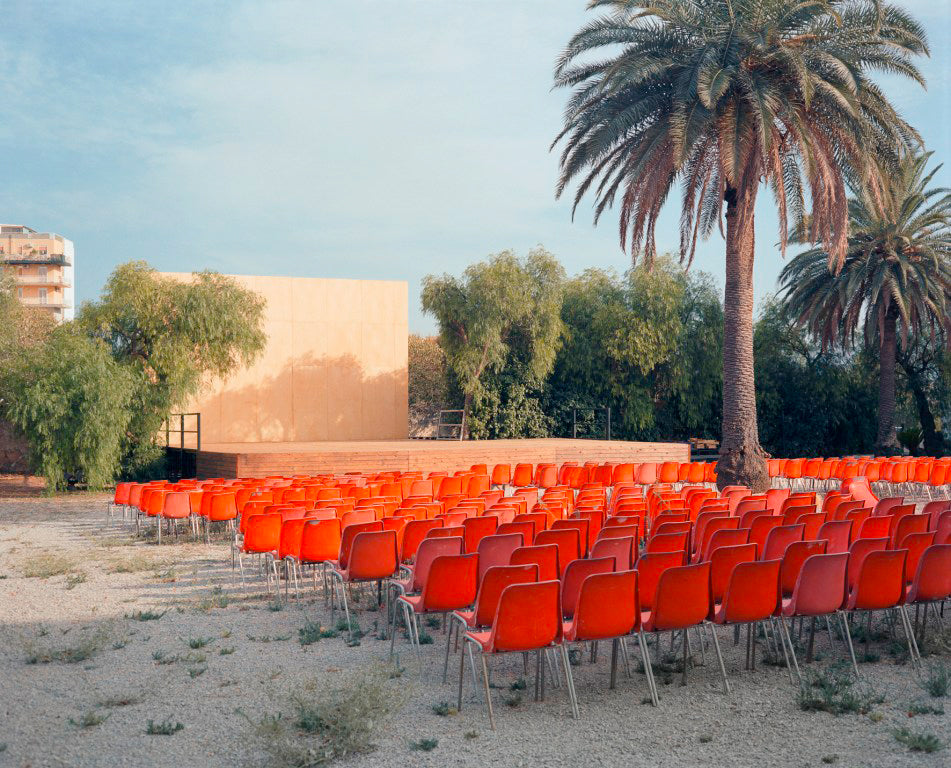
<point>380,139</point>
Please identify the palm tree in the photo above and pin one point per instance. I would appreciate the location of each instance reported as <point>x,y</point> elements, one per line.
<point>723,95</point>
<point>895,282</point>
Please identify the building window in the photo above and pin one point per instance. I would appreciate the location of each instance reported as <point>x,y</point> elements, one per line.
<point>42,295</point>
<point>19,293</point>
<point>41,274</point>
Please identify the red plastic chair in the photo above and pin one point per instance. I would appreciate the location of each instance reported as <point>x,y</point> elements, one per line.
<point>779,539</point>
<point>477,528</point>
<point>568,543</point>
<point>722,562</point>
<point>607,609</point>
<point>681,601</point>
<point>528,619</point>
<point>837,533</point>
<point>262,537</point>
<point>819,591</point>
<point>860,549</point>
<point>545,557</point>
<point>320,545</point>
<point>726,537</point>
<point>578,524</point>
<point>881,586</point>
<point>451,585</point>
<point>176,505</point>
<point>622,550</point>
<point>373,556</point>
<point>574,577</point>
<point>793,559</point>
<point>667,542</point>
<point>650,567</point>
<point>751,596</point>
<point>932,581</point>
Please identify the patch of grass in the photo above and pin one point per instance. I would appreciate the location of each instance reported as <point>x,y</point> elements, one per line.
<point>73,580</point>
<point>226,651</point>
<point>829,759</point>
<point>310,633</point>
<point>45,565</point>
<point>706,738</point>
<point>327,721</point>
<point>918,741</point>
<point>88,719</point>
<point>513,701</point>
<point>518,685</point>
<point>268,638</point>
<point>469,735</point>
<point>275,605</point>
<point>432,622</point>
<point>149,615</point>
<point>444,709</point>
<point>131,564</point>
<point>165,728</point>
<point>833,690</point>
<point>920,708</point>
<point>574,657</point>
<point>160,657</point>
<point>424,745</point>
<point>937,682</point>
<point>216,599</point>
<point>118,645</point>
<point>82,650</point>
<point>199,642</point>
<point>194,672</point>
<point>425,638</point>
<point>166,576</point>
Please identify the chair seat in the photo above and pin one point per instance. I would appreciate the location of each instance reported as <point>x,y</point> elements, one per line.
<point>466,616</point>
<point>647,620</point>
<point>482,638</point>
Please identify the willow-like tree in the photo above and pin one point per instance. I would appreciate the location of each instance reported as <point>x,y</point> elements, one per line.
<point>722,96</point>
<point>894,285</point>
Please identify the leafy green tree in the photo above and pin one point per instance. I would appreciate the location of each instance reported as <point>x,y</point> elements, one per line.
<point>428,386</point>
<point>72,402</point>
<point>894,283</point>
<point>500,308</point>
<point>647,345</point>
<point>722,96</point>
<point>21,327</point>
<point>171,336</point>
<point>811,401</point>
<point>925,365</point>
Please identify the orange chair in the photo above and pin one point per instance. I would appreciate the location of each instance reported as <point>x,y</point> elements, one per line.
<point>681,601</point>
<point>501,475</point>
<point>262,537</point>
<point>574,577</point>
<point>795,556</point>
<point>416,575</point>
<point>320,545</point>
<point>525,529</point>
<point>578,524</point>
<point>607,609</point>
<point>667,542</point>
<point>649,569</point>
<point>623,551</point>
<point>373,556</point>
<point>722,562</point>
<point>751,596</point>
<point>819,591</point>
<point>837,533</point>
<point>779,538</point>
<point>932,581</point>
<point>568,542</point>
<point>496,550</point>
<point>413,535</point>
<point>528,619</point>
<point>451,585</point>
<point>176,505</point>
<point>858,551</point>
<point>288,552</point>
<point>483,613</point>
<point>120,501</point>
<point>881,586</point>
<point>522,476</point>
<point>545,557</point>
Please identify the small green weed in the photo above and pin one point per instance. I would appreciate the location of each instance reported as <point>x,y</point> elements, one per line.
<point>444,709</point>
<point>469,735</point>
<point>832,690</point>
<point>194,672</point>
<point>424,745</point>
<point>226,651</point>
<point>88,719</point>
<point>149,615</point>
<point>310,633</point>
<point>920,708</point>
<point>199,642</point>
<point>73,580</point>
<point>165,728</point>
<point>918,742</point>
<point>937,682</point>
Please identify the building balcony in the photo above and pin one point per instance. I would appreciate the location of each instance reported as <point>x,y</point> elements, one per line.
<point>32,301</point>
<point>54,280</point>
<point>25,259</point>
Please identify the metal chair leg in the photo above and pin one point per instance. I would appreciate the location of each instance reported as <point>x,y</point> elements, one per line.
<point>648,669</point>
<point>716,648</point>
<point>569,682</point>
<point>848,640</point>
<point>485,686</point>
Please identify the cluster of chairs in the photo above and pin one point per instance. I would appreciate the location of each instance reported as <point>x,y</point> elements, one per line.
<point>520,568</point>
<point>924,476</point>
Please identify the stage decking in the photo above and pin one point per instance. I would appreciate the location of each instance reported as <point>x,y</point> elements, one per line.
<point>261,459</point>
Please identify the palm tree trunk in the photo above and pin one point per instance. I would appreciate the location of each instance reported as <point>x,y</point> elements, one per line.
<point>742,461</point>
<point>885,443</point>
<point>933,439</point>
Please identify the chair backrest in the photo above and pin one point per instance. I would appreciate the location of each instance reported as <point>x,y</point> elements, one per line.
<point>491,585</point>
<point>607,606</point>
<point>579,524</point>
<point>933,577</point>
<point>574,577</point>
<point>568,543</point>
<point>881,581</point>
<point>429,550</point>
<point>413,535</point>
<point>859,550</point>
<point>348,534</point>
<point>176,505</point>
<point>906,525</point>
<point>292,532</point>
<point>682,598</point>
<point>477,528</point>
<point>796,554</point>
<point>875,527</point>
<point>722,562</point>
<point>886,505</point>
<point>916,544</point>
<point>649,568</point>
<point>779,538</point>
<point>812,522</point>
<point>373,555</point>
<point>617,532</point>
<point>222,506</point>
<point>452,583</point>
<point>623,551</point>
<point>760,528</point>
<point>662,528</point>
<point>820,589</point>
<point>752,593</point>
<point>545,556</point>
<point>527,530</point>
<point>320,541</point>
<point>497,550</point>
<point>725,537</point>
<point>263,533</point>
<point>667,542</point>
<point>837,533</point>
<point>529,617</point>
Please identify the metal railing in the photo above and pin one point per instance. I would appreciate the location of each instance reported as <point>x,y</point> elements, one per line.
<point>575,424</point>
<point>175,425</point>
<point>444,429</point>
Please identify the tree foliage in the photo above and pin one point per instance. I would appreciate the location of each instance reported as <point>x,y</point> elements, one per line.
<point>501,310</point>
<point>72,400</point>
<point>171,336</point>
<point>428,386</point>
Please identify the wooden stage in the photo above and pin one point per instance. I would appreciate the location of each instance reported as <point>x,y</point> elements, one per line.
<point>261,459</point>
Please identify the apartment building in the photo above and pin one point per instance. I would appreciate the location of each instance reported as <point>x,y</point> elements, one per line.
<point>42,264</point>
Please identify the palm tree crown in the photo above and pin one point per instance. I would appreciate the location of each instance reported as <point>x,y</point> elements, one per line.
<point>896,275</point>
<point>719,96</point>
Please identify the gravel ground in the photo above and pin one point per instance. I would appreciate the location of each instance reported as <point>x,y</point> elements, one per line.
<point>251,663</point>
